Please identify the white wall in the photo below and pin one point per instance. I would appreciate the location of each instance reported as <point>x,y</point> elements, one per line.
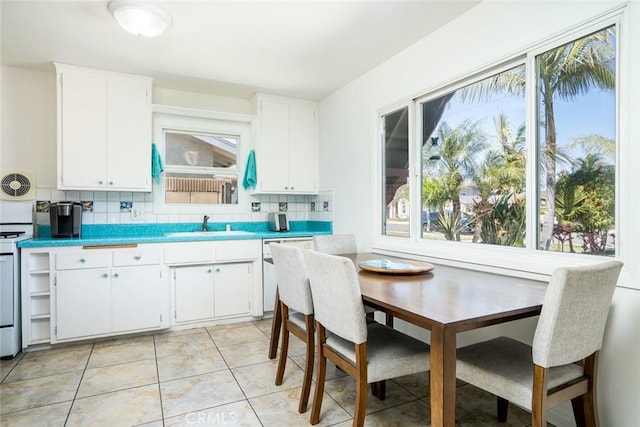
<point>491,31</point>
<point>28,131</point>
<point>178,98</point>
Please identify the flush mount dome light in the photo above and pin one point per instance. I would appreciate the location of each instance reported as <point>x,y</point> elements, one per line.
<point>140,17</point>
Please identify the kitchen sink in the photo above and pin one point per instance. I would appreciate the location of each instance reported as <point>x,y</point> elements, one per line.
<point>208,233</point>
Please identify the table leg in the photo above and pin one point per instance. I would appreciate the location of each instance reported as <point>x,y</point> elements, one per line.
<point>443,377</point>
<point>276,324</point>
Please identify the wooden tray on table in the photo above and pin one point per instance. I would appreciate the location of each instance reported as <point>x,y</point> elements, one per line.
<point>387,266</point>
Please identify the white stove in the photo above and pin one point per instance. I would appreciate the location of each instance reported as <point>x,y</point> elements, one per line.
<point>16,224</point>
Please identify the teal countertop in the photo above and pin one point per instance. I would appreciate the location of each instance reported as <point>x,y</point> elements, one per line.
<point>119,234</point>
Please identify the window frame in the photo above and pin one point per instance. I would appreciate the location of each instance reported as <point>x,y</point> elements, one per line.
<point>528,261</point>
<point>196,121</point>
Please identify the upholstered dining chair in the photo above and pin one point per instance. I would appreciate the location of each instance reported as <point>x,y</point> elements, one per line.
<point>297,311</point>
<point>368,352</point>
<point>562,362</point>
<point>335,244</point>
<point>341,244</point>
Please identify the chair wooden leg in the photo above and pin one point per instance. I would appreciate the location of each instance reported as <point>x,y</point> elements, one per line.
<point>578,406</point>
<point>539,399</point>
<point>308,365</point>
<point>375,388</point>
<point>503,407</point>
<point>361,385</point>
<point>282,363</point>
<point>320,376</point>
<point>378,389</point>
<point>587,410</point>
<point>276,322</point>
<point>382,390</point>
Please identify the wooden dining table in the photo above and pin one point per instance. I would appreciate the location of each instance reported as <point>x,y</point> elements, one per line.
<point>445,301</point>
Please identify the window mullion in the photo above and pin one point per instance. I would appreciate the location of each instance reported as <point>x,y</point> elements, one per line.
<point>532,185</point>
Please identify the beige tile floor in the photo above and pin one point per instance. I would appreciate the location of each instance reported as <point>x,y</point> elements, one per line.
<point>219,375</point>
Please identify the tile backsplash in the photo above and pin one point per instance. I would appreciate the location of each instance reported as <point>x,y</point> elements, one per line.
<point>101,207</point>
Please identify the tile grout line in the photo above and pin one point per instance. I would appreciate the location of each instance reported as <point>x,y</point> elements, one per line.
<point>246,399</point>
<point>73,401</point>
<point>12,368</point>
<point>155,353</point>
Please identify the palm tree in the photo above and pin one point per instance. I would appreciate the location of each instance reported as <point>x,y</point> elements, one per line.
<point>570,203</point>
<point>454,164</point>
<point>501,172</point>
<point>564,73</point>
<point>513,171</point>
<point>597,145</point>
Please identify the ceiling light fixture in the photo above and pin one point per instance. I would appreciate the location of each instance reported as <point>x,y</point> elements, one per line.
<point>140,17</point>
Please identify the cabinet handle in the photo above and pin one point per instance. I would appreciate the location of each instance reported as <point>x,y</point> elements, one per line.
<point>100,182</point>
<point>105,275</point>
<point>137,257</point>
<point>110,182</point>
<point>82,260</point>
<point>217,270</point>
<point>209,271</point>
<point>116,275</point>
<point>292,187</point>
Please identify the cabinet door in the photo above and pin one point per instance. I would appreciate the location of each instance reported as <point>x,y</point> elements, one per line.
<point>273,153</point>
<point>136,298</point>
<point>129,135</point>
<point>193,293</point>
<point>83,303</point>
<point>83,101</point>
<point>231,295</point>
<point>303,156</point>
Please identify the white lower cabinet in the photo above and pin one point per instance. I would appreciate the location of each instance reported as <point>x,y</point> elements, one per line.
<point>76,293</point>
<point>136,298</point>
<point>120,296</point>
<point>83,303</point>
<point>231,289</point>
<point>193,293</point>
<point>207,292</point>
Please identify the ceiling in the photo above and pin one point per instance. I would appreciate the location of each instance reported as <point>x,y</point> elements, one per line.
<point>299,48</point>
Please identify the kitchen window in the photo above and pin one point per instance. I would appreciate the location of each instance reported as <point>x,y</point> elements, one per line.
<point>201,168</point>
<point>201,155</point>
<point>521,156</point>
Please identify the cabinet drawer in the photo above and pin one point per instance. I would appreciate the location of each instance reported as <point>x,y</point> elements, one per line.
<point>138,256</point>
<point>189,253</point>
<point>82,259</point>
<point>237,251</point>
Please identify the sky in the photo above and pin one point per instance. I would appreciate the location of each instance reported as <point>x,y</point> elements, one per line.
<point>589,114</point>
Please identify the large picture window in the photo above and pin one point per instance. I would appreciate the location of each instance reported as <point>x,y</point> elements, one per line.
<point>523,156</point>
<point>473,163</point>
<point>576,115</point>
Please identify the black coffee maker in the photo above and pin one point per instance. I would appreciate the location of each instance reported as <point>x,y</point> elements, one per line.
<point>66,219</point>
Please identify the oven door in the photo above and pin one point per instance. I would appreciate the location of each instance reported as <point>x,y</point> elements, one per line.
<point>6,290</point>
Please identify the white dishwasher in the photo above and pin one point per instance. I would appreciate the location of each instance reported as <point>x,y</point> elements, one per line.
<point>268,273</point>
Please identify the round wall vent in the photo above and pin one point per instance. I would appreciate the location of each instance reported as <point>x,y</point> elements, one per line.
<point>17,185</point>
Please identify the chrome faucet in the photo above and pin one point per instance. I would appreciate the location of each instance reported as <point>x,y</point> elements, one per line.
<point>204,223</point>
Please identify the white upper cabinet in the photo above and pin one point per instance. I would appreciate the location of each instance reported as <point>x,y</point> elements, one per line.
<point>104,130</point>
<point>286,145</point>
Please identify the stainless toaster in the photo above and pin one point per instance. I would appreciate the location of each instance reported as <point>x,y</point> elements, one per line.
<point>278,221</point>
